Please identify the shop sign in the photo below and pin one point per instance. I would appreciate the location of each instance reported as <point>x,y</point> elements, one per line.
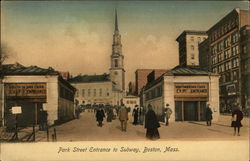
<point>25,89</point>
<point>16,110</point>
<point>231,89</point>
<point>191,90</point>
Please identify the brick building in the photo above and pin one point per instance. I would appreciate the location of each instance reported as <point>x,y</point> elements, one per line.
<point>141,77</point>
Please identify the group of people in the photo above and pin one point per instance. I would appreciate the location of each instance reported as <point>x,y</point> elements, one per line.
<point>237,116</point>
<point>100,115</point>
<point>139,115</point>
<point>148,117</point>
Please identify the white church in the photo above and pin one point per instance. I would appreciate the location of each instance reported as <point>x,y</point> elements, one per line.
<point>106,89</point>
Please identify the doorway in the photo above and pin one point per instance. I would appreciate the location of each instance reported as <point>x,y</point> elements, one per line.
<point>190,110</point>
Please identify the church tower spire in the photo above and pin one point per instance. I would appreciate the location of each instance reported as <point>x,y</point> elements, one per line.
<point>117,72</point>
<point>116,22</point>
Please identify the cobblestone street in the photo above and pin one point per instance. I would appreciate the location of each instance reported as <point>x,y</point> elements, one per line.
<point>86,129</point>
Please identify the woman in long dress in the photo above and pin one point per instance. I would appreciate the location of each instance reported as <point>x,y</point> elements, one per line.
<point>151,124</point>
<point>237,116</point>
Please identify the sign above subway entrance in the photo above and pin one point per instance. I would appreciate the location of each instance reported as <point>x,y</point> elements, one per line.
<point>191,90</point>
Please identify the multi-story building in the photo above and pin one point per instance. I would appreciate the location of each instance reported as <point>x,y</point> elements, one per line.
<point>204,56</point>
<point>188,47</point>
<point>245,65</point>
<point>224,44</point>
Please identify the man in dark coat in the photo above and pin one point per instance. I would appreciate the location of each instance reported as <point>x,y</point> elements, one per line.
<point>135,114</point>
<point>237,116</point>
<point>151,124</point>
<point>99,116</point>
<point>209,116</point>
<point>43,120</point>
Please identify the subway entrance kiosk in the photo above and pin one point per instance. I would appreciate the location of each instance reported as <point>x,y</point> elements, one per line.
<point>187,90</point>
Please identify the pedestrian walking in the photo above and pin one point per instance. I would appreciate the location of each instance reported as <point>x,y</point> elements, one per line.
<point>135,114</point>
<point>141,115</point>
<point>209,115</point>
<point>123,117</point>
<point>151,124</point>
<point>109,115</point>
<point>99,116</point>
<point>167,112</point>
<point>77,112</point>
<point>237,116</point>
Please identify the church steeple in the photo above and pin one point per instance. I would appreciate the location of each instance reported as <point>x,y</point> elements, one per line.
<point>116,21</point>
<point>117,72</point>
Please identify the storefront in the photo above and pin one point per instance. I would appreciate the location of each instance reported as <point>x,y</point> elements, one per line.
<point>35,89</point>
<point>187,90</point>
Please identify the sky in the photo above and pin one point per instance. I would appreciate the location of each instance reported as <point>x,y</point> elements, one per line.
<point>76,36</point>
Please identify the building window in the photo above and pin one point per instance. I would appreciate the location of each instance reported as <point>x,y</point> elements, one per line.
<point>192,47</point>
<point>235,75</point>
<point>94,92</point>
<point>107,91</point>
<point>199,39</point>
<point>235,50</point>
<point>234,37</point>
<point>89,93</point>
<point>100,92</point>
<point>127,102</point>
<point>116,62</point>
<point>244,47</point>
<point>192,56</point>
<point>235,62</point>
<point>227,54</point>
<point>192,38</point>
<point>228,77</point>
<point>227,42</point>
<point>83,92</point>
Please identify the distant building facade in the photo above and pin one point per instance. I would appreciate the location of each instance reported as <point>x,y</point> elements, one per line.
<point>64,75</point>
<point>188,47</point>
<point>130,101</point>
<point>224,46</point>
<point>95,89</point>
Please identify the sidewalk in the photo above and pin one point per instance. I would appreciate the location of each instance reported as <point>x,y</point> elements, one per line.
<point>86,129</point>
